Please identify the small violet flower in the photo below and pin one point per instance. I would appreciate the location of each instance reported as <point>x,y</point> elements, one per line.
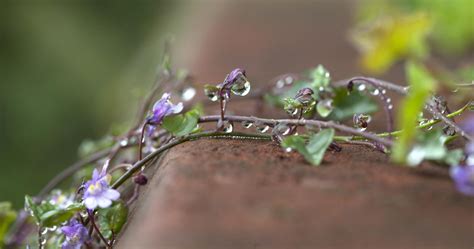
<point>468,124</point>
<point>76,235</point>
<point>232,77</point>
<point>163,108</point>
<point>463,177</point>
<point>98,192</point>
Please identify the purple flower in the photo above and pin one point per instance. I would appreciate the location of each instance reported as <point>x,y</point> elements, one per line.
<point>163,108</point>
<point>98,192</point>
<point>232,77</point>
<point>463,177</point>
<point>76,235</point>
<point>468,124</point>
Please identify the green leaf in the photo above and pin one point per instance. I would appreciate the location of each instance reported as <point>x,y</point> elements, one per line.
<point>320,77</point>
<point>314,151</point>
<point>421,86</point>
<point>182,124</point>
<point>431,146</point>
<point>49,215</point>
<point>7,216</point>
<point>112,219</point>
<point>346,104</point>
<point>58,216</point>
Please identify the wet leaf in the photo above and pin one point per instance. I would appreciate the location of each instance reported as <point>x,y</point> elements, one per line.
<point>49,215</point>
<point>112,219</point>
<point>320,77</point>
<point>347,104</point>
<point>421,86</point>
<point>182,124</point>
<point>314,150</point>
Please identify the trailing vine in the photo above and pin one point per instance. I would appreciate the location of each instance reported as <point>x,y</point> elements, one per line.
<point>107,180</point>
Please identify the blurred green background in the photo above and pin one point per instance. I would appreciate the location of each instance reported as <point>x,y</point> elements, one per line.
<point>69,71</point>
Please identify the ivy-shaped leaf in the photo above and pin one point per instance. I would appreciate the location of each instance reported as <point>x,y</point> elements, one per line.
<point>421,86</point>
<point>49,215</point>
<point>112,219</point>
<point>347,104</point>
<point>58,216</point>
<point>7,216</point>
<point>320,77</point>
<point>431,146</point>
<point>182,124</point>
<point>314,150</point>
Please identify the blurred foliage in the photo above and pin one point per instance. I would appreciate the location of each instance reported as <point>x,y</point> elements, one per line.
<point>422,84</point>
<point>69,70</point>
<point>390,30</point>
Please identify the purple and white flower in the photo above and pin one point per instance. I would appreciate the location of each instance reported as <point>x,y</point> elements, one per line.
<point>98,192</point>
<point>463,177</point>
<point>163,108</point>
<point>61,200</point>
<point>76,235</point>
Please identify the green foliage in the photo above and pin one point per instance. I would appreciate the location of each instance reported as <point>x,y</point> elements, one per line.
<point>431,146</point>
<point>347,104</point>
<point>49,215</point>
<point>384,41</point>
<point>182,124</point>
<point>314,150</point>
<point>7,216</point>
<point>112,219</point>
<point>320,77</point>
<point>421,85</point>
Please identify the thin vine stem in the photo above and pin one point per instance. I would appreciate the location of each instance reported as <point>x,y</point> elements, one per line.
<point>300,122</point>
<point>209,134</point>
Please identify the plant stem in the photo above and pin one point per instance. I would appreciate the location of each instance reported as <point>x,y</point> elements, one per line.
<point>92,219</point>
<point>300,122</point>
<point>374,82</point>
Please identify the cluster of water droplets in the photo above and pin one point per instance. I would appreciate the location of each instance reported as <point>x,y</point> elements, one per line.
<point>284,81</point>
<point>376,91</point>
<point>259,126</point>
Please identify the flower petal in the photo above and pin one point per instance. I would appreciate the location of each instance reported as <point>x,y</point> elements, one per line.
<point>177,108</point>
<point>111,194</point>
<point>104,202</point>
<point>91,203</point>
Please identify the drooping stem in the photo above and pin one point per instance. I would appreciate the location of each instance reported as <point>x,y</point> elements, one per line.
<point>374,82</point>
<point>92,219</point>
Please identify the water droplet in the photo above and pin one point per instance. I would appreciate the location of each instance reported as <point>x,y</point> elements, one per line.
<point>325,107</point>
<point>390,107</point>
<point>455,90</point>
<point>261,127</point>
<point>241,87</point>
<point>449,130</point>
<point>228,127</point>
<point>247,124</point>
<point>124,142</point>
<point>361,121</point>
<point>44,231</point>
<point>288,150</point>
<point>212,92</point>
<point>361,87</point>
<point>280,131</point>
<point>384,91</point>
<point>375,91</point>
<point>388,100</point>
<point>289,80</point>
<point>292,111</point>
<point>280,84</point>
<point>188,93</point>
